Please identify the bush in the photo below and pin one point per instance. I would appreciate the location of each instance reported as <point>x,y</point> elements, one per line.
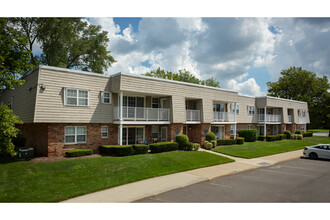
<point>79,152</point>
<point>281,136</point>
<point>196,146</point>
<point>189,146</point>
<point>226,141</point>
<point>308,134</point>
<point>163,147</point>
<point>116,150</point>
<point>210,136</point>
<point>140,149</point>
<point>287,134</point>
<point>8,120</point>
<point>272,138</point>
<point>240,140</point>
<point>249,135</point>
<point>208,145</point>
<point>261,138</point>
<point>298,132</point>
<point>19,142</point>
<point>297,137</point>
<point>214,143</point>
<point>182,140</point>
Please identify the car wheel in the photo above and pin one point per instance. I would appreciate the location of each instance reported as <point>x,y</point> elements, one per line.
<point>313,156</point>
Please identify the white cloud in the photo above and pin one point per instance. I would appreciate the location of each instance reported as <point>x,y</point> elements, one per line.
<point>249,87</point>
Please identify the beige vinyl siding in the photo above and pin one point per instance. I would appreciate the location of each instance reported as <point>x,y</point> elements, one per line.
<point>115,83</point>
<point>24,99</point>
<point>50,104</point>
<point>179,93</point>
<point>243,116</point>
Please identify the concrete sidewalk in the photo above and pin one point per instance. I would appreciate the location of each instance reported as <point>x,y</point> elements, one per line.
<point>154,186</point>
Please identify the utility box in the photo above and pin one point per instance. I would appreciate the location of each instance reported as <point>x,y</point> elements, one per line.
<point>25,152</point>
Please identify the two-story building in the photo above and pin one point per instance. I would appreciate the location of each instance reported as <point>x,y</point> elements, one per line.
<point>63,109</point>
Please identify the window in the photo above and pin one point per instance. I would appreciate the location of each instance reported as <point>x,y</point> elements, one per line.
<point>260,130</point>
<point>251,110</point>
<point>249,127</point>
<point>218,107</point>
<point>10,103</point>
<point>301,112</point>
<point>106,97</point>
<point>131,101</point>
<point>232,129</point>
<point>76,97</point>
<point>155,103</point>
<point>132,135</point>
<point>104,131</point>
<point>154,132</point>
<point>75,135</point>
<point>233,108</point>
<point>303,128</point>
<point>185,130</point>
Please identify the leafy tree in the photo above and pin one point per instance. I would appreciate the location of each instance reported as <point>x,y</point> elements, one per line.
<point>67,42</point>
<point>14,57</point>
<point>8,131</point>
<point>303,85</point>
<point>183,76</point>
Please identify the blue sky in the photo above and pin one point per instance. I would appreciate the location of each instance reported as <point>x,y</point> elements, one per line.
<point>242,53</point>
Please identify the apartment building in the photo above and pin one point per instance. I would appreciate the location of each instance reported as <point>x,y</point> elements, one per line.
<point>64,109</point>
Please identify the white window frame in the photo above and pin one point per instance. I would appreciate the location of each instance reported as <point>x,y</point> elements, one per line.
<point>233,108</point>
<point>152,132</point>
<point>102,97</point>
<point>10,103</point>
<point>103,132</point>
<point>250,127</point>
<point>78,90</point>
<point>75,135</point>
<point>251,110</point>
<point>126,127</point>
<point>232,129</point>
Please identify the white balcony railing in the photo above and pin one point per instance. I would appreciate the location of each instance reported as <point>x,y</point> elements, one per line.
<point>193,115</point>
<point>289,118</point>
<point>269,118</point>
<point>302,119</point>
<point>143,114</point>
<point>224,116</point>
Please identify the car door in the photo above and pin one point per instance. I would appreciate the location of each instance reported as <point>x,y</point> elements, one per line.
<point>327,151</point>
<point>322,152</point>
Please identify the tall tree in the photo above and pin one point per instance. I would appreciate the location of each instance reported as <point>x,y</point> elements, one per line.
<point>14,56</point>
<point>183,76</point>
<point>303,85</point>
<point>67,42</point>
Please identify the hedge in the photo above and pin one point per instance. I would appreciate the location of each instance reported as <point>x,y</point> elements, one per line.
<point>182,140</point>
<point>210,136</point>
<point>226,141</point>
<point>189,146</point>
<point>298,132</point>
<point>297,136</point>
<point>196,146</point>
<point>140,149</point>
<point>240,140</point>
<point>116,150</point>
<point>249,135</point>
<point>281,136</point>
<point>261,138</point>
<point>308,134</point>
<point>163,147</point>
<point>214,143</point>
<point>287,134</point>
<point>272,138</point>
<point>79,152</point>
<point>208,145</point>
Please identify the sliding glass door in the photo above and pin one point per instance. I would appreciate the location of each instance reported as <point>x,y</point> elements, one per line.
<point>133,135</point>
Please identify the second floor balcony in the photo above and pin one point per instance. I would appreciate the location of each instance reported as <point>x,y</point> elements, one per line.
<point>302,119</point>
<point>193,115</point>
<point>143,114</point>
<point>223,116</point>
<point>270,118</point>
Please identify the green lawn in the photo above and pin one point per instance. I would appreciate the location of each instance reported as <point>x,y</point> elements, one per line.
<point>318,130</point>
<point>260,148</point>
<point>56,181</point>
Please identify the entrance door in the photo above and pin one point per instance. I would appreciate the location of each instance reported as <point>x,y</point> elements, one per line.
<point>275,129</point>
<point>163,134</point>
<point>219,131</point>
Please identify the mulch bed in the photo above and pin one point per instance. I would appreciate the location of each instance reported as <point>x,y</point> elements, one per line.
<point>59,158</point>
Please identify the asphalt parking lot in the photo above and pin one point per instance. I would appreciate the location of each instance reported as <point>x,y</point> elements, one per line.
<point>300,180</point>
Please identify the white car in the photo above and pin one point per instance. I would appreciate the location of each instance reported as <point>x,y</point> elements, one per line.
<point>318,151</point>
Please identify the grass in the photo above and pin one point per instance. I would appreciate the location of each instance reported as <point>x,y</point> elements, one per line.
<point>260,148</point>
<point>319,130</point>
<point>56,181</point>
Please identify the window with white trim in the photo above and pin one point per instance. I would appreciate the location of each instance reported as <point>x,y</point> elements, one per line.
<point>154,132</point>
<point>76,97</point>
<point>233,108</point>
<point>104,131</point>
<point>249,127</point>
<point>106,97</point>
<point>75,134</point>
<point>10,103</point>
<point>251,110</point>
<point>303,128</point>
<point>232,129</point>
<point>155,102</point>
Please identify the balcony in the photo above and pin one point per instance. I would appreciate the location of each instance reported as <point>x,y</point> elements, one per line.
<point>143,114</point>
<point>193,115</point>
<point>223,116</point>
<point>302,119</point>
<point>269,118</point>
<point>290,118</point>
